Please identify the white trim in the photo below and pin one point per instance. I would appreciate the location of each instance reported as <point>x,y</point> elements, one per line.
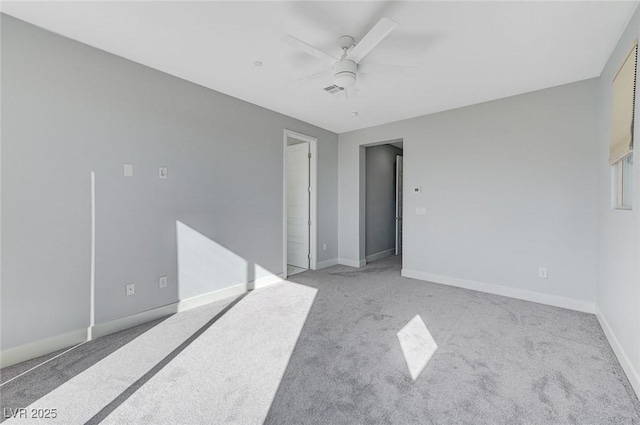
<point>62,353</point>
<point>267,281</point>
<point>45,346</point>
<point>521,294</point>
<point>380,255</point>
<point>42,347</point>
<point>284,206</point>
<point>627,366</point>
<point>92,296</point>
<point>117,325</point>
<point>313,207</point>
<point>107,328</point>
<point>352,263</point>
<point>327,263</point>
<point>210,297</point>
<point>362,191</point>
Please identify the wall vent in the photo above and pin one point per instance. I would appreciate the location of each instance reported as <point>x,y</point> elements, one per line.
<point>334,89</point>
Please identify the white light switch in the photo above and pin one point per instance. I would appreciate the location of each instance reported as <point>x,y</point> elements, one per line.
<point>162,282</point>
<point>131,289</point>
<point>163,172</point>
<point>542,272</point>
<point>421,211</point>
<point>128,170</point>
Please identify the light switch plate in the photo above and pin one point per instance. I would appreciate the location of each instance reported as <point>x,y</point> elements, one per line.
<point>542,272</point>
<point>131,289</point>
<point>163,172</point>
<point>128,170</point>
<point>162,282</point>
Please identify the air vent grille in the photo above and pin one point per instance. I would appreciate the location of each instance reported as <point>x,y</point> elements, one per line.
<point>334,89</point>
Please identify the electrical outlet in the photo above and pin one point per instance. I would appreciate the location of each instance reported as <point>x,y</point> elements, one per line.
<point>324,246</point>
<point>131,289</point>
<point>162,282</point>
<point>542,272</point>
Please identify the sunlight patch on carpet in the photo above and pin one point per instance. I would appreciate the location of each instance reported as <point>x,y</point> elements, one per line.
<point>417,345</point>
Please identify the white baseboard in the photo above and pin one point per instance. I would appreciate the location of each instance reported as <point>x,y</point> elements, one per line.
<point>268,280</point>
<point>40,348</point>
<point>327,263</point>
<point>123,323</point>
<point>352,263</point>
<point>210,297</point>
<point>627,366</point>
<point>380,255</point>
<point>521,294</point>
<point>107,328</point>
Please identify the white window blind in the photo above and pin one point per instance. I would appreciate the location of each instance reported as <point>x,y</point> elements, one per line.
<point>622,108</point>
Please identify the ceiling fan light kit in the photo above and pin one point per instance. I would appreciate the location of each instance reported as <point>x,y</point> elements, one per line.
<point>344,73</point>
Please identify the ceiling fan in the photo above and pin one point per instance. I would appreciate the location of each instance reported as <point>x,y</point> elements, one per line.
<point>346,68</point>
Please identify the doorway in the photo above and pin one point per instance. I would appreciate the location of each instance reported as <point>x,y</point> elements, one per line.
<point>383,176</point>
<point>299,207</point>
<point>399,178</point>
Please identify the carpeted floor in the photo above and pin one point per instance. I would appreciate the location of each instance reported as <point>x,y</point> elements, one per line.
<point>291,270</point>
<point>326,351</point>
<point>499,360</point>
<point>25,383</point>
<point>81,381</point>
<point>220,363</point>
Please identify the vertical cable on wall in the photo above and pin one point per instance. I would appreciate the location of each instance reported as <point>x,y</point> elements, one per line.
<point>92,318</point>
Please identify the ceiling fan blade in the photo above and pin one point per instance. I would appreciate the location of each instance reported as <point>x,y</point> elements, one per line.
<point>308,49</point>
<point>312,77</point>
<point>371,40</point>
<point>378,68</point>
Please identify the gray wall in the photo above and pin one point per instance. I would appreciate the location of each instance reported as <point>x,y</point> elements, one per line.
<point>69,109</point>
<point>380,198</point>
<point>618,291</point>
<point>508,186</point>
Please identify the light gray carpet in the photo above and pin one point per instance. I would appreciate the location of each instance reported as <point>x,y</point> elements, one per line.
<point>83,381</point>
<point>20,389</point>
<point>217,364</point>
<point>231,373</point>
<point>499,360</point>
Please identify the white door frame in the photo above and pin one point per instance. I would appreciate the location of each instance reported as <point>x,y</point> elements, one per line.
<point>399,201</point>
<point>362,205</point>
<point>313,209</point>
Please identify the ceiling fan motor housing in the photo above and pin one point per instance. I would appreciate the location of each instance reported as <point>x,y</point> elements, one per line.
<point>344,73</point>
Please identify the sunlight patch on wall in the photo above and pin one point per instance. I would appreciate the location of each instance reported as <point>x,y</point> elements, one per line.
<point>204,265</point>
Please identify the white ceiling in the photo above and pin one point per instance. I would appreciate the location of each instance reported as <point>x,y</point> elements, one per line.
<point>466,52</point>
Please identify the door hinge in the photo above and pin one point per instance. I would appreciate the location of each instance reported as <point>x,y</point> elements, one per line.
<point>309,155</point>
<point>309,256</point>
<point>309,188</point>
<point>309,223</point>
